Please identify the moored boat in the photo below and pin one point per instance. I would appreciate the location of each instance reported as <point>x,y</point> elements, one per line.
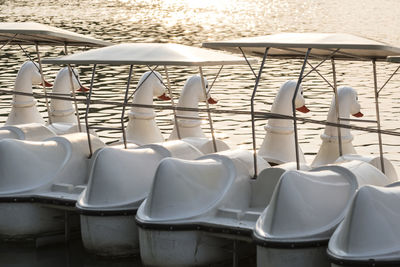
<point>107,221</point>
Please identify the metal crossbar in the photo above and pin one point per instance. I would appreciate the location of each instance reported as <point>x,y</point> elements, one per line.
<point>257,114</point>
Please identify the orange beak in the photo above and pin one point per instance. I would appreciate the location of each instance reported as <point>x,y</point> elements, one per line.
<point>303,109</point>
<point>83,89</point>
<point>358,115</point>
<point>46,83</point>
<point>212,101</point>
<point>164,97</point>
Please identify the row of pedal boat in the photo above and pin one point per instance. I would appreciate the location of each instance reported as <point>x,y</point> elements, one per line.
<point>181,203</point>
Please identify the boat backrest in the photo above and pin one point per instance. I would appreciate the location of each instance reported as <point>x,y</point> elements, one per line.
<point>31,131</point>
<point>264,186</point>
<point>308,203</point>
<point>366,173</point>
<point>31,166</point>
<point>375,161</point>
<point>177,149</point>
<point>188,188</point>
<point>119,176</point>
<point>371,227</point>
<point>206,145</point>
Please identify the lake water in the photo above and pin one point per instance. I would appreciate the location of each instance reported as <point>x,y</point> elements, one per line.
<point>192,22</point>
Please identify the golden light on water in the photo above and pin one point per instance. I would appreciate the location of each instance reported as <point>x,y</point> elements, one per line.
<point>216,4</point>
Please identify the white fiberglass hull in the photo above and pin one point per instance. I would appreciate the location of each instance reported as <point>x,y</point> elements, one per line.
<point>111,236</point>
<point>181,248</point>
<point>24,221</point>
<point>292,257</point>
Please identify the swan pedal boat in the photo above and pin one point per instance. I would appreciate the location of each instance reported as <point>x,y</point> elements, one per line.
<point>299,237</point>
<point>107,216</point>
<point>176,238</point>
<point>368,235</point>
<point>24,113</point>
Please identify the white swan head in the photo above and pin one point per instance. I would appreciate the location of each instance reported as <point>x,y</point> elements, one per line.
<point>29,72</point>
<point>329,149</point>
<point>283,100</point>
<point>348,102</point>
<point>193,91</point>
<point>153,79</point>
<point>62,83</point>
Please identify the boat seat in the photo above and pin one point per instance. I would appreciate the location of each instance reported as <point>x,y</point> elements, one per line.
<point>206,145</point>
<point>228,213</point>
<point>370,232</point>
<point>120,178</point>
<point>307,205</point>
<point>189,188</point>
<point>29,167</point>
<point>30,131</point>
<point>366,173</point>
<point>177,149</point>
<point>263,187</point>
<point>68,188</point>
<point>375,161</point>
<point>245,158</point>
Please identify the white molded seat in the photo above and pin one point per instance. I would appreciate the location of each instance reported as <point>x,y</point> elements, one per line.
<point>29,167</point>
<point>307,205</point>
<point>121,179</point>
<point>30,131</point>
<point>183,188</point>
<point>370,231</point>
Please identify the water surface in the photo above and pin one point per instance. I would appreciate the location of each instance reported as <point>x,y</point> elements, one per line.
<point>192,22</point>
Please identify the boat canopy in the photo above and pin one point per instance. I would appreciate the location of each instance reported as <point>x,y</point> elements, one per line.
<point>150,54</point>
<point>394,59</point>
<point>322,44</point>
<point>36,33</point>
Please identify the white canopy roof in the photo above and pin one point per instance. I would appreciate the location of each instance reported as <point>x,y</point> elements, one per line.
<point>322,44</point>
<point>150,54</point>
<point>31,33</point>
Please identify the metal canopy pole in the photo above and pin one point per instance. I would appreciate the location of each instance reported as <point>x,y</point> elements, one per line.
<point>296,141</point>
<point>339,130</point>
<point>377,115</point>
<point>124,106</point>
<point>78,120</point>
<point>253,126</point>
<point>9,41</point>
<point>208,109</point>
<point>172,102</point>
<point>87,110</point>
<point>43,83</point>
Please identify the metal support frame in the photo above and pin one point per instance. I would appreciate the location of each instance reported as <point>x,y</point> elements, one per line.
<point>388,80</point>
<point>378,115</point>
<point>43,83</point>
<point>78,120</point>
<point>145,79</point>
<point>216,77</point>
<point>253,126</point>
<point>208,110</point>
<point>339,130</point>
<point>248,62</point>
<point>9,41</point>
<point>124,106</point>
<point>235,255</point>
<point>67,226</point>
<point>87,111</point>
<point>172,102</point>
<point>296,141</point>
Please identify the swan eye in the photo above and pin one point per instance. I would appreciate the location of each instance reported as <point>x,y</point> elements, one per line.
<point>356,98</point>
<point>301,92</point>
<point>206,86</point>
